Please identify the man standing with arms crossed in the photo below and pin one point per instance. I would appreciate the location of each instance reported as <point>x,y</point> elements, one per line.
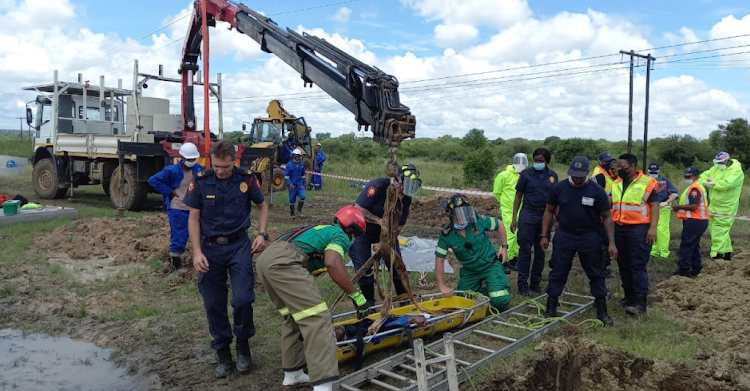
<point>693,211</point>
<point>724,184</point>
<point>505,192</point>
<point>219,201</point>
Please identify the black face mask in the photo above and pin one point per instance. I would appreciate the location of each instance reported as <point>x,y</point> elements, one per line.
<point>623,172</point>
<point>607,166</point>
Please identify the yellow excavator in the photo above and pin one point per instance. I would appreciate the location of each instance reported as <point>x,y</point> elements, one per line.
<point>266,144</point>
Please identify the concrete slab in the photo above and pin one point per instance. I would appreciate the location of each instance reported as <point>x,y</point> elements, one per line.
<point>45,214</point>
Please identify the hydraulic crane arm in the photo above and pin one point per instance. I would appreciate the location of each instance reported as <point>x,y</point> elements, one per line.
<point>369,93</point>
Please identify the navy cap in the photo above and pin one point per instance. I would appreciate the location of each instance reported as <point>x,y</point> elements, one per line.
<point>606,156</point>
<point>692,170</point>
<point>579,167</point>
<point>653,168</point>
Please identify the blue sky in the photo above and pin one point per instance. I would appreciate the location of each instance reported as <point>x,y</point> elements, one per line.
<point>427,39</point>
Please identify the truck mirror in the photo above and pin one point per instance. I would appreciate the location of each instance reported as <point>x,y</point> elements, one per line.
<point>29,116</point>
<point>244,127</point>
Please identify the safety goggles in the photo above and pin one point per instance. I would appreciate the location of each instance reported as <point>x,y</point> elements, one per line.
<point>411,186</point>
<point>464,215</point>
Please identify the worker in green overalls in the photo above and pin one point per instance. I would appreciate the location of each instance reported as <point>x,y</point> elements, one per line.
<point>481,266</point>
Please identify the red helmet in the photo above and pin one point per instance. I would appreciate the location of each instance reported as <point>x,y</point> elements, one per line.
<point>350,217</point>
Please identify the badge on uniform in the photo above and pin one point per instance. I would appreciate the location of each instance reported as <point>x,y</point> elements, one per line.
<point>551,179</point>
<point>191,187</point>
<point>243,187</point>
<point>694,193</point>
<point>588,201</point>
<point>371,191</point>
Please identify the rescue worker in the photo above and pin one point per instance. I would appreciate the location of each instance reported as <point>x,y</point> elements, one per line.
<point>505,192</point>
<point>172,183</point>
<point>286,270</point>
<point>371,202</point>
<point>316,181</point>
<point>667,193</point>
<point>605,173</point>
<point>724,184</point>
<point>294,175</point>
<point>289,147</point>
<point>467,236</point>
<point>582,208</point>
<point>693,211</point>
<point>219,199</point>
<point>532,190</point>
<point>635,211</point>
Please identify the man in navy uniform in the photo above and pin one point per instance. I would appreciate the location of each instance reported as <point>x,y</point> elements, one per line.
<point>581,207</point>
<point>371,202</point>
<point>219,201</point>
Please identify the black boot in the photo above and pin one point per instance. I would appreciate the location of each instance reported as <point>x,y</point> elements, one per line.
<point>368,291</point>
<point>176,263</point>
<point>681,272</point>
<point>695,271</point>
<point>299,208</point>
<point>718,256</point>
<point>523,290</point>
<point>244,359</point>
<point>639,306</point>
<point>506,269</point>
<point>513,264</point>
<point>535,288</point>
<point>628,300</point>
<point>551,311</point>
<point>601,312</point>
<point>727,256</point>
<point>223,363</point>
<point>291,211</point>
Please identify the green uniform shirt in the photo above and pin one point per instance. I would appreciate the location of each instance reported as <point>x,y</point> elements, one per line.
<point>316,241</point>
<point>479,253</point>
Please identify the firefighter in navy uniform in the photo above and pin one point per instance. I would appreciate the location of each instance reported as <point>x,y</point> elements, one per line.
<point>371,202</point>
<point>693,211</point>
<point>286,270</point>
<point>219,201</point>
<point>581,207</point>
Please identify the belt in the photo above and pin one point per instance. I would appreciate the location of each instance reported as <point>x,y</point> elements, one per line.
<point>579,231</point>
<point>226,239</point>
<point>533,209</point>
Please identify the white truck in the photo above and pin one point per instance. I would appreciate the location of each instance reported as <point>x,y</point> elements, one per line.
<point>90,134</point>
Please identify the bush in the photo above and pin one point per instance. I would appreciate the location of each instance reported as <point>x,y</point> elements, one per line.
<point>479,167</point>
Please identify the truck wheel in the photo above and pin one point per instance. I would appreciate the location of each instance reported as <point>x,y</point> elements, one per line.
<point>134,192</point>
<point>45,181</point>
<point>105,187</point>
<point>279,184</point>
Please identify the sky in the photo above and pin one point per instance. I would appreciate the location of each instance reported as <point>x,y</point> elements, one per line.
<point>514,68</point>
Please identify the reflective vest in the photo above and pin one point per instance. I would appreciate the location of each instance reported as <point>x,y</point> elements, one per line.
<point>699,214</point>
<point>632,207</point>
<point>608,180</point>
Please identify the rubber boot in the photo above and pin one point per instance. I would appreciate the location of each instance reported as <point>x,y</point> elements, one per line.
<point>291,211</point>
<point>176,263</point>
<point>506,269</point>
<point>524,291</point>
<point>628,300</point>
<point>718,256</point>
<point>223,363</point>
<point>324,387</point>
<point>551,310</point>
<point>368,291</point>
<point>513,264</point>
<point>601,312</point>
<point>299,208</point>
<point>727,256</point>
<point>639,305</point>
<point>244,359</point>
<point>681,272</point>
<point>536,288</point>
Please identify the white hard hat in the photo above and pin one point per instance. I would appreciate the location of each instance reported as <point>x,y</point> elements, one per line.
<point>189,151</point>
<point>297,152</point>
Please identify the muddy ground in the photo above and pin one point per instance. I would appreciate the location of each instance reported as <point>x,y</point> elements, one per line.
<point>118,294</point>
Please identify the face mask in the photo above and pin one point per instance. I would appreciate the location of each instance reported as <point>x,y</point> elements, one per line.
<point>655,176</point>
<point>539,166</point>
<point>721,166</point>
<point>688,181</point>
<point>623,172</point>
<point>188,164</point>
<point>519,167</point>
<point>570,180</point>
<point>607,166</point>
<point>460,226</point>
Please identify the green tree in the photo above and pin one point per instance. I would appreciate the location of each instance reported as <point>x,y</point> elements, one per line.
<point>681,150</point>
<point>479,167</point>
<point>498,141</point>
<point>569,148</point>
<point>734,137</point>
<point>551,143</point>
<point>322,136</point>
<point>475,139</point>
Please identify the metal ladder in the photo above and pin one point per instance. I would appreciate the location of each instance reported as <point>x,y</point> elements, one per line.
<point>473,347</point>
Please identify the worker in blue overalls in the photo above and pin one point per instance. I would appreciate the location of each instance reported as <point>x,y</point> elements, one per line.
<point>294,175</point>
<point>219,201</point>
<point>582,207</point>
<point>371,202</point>
<point>172,183</point>
<point>532,189</point>
<point>666,193</point>
<point>316,181</point>
<point>289,147</point>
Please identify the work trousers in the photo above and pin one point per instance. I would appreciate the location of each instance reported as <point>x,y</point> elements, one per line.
<point>689,257</point>
<point>633,254</point>
<point>529,230</point>
<point>507,217</point>
<point>178,231</point>
<point>564,248</point>
<point>491,282</point>
<point>316,181</point>
<point>297,192</point>
<point>361,250</point>
<point>661,245</point>
<point>721,242</point>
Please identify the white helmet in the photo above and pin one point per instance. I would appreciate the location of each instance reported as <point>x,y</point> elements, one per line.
<point>297,152</point>
<point>520,162</point>
<point>189,151</point>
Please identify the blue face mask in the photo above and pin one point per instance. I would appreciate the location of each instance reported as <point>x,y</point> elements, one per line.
<point>459,226</point>
<point>688,181</point>
<point>539,166</point>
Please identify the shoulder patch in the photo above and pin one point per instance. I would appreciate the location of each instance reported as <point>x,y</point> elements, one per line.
<point>371,191</point>
<point>191,187</point>
<point>246,172</point>
<point>694,193</point>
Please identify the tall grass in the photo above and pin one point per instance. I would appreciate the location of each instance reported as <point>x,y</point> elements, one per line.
<point>16,146</point>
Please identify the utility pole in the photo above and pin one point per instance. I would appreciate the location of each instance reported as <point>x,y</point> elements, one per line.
<point>649,62</point>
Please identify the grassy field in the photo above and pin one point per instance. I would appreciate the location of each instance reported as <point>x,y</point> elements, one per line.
<point>163,314</point>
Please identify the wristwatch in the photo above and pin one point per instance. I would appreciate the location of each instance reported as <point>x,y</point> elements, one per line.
<point>544,236</point>
<point>264,235</point>
<point>505,246</point>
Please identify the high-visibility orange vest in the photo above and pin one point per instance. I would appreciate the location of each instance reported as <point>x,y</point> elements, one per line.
<point>631,207</point>
<point>702,212</point>
<point>608,179</point>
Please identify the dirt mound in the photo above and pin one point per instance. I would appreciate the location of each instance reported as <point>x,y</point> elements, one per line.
<point>125,241</point>
<point>715,303</point>
<point>581,364</point>
<point>426,211</point>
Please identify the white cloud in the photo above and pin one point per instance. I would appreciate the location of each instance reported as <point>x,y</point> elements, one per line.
<point>342,15</point>
<point>496,13</point>
<point>455,35</point>
<point>730,27</point>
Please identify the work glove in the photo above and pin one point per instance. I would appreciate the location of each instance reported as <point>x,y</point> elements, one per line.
<point>709,183</point>
<point>663,204</point>
<point>360,304</point>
